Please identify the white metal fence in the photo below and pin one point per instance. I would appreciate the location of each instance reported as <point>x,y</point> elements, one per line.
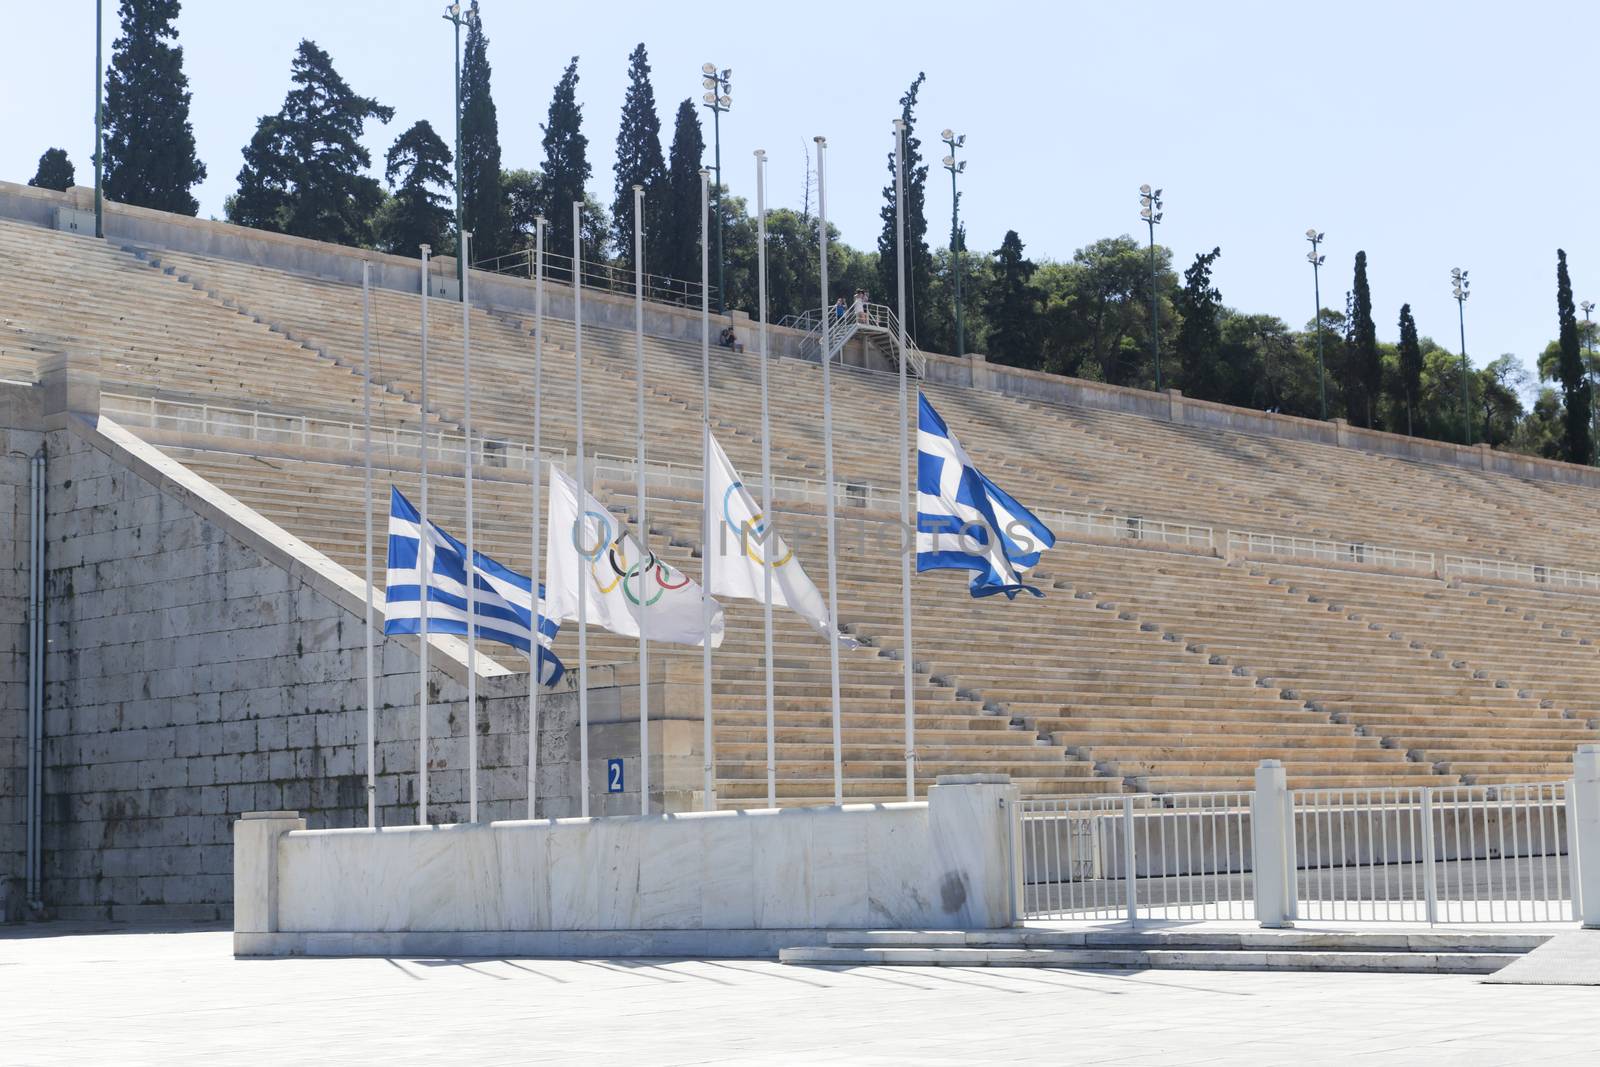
<point>1253,544</point>
<point>268,427</point>
<point>1183,856</point>
<point>1435,854</point>
<point>1499,570</point>
<point>1487,854</point>
<point>1100,526</point>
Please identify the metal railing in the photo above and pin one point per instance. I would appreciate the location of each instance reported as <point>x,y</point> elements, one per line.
<point>1180,856</point>
<point>1477,854</point>
<point>267,427</point>
<point>1434,854</point>
<point>1254,544</point>
<point>1100,526</point>
<point>1498,570</point>
<point>830,331</point>
<point>687,479</point>
<point>658,288</point>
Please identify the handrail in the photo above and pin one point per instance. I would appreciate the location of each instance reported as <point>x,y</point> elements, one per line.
<point>255,424</point>
<point>658,288</point>
<point>215,420</point>
<point>1522,573</point>
<point>1103,526</point>
<point>1246,543</point>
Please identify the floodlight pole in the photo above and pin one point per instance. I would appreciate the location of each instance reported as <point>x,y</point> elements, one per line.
<point>955,168</point>
<point>99,124</point>
<point>1458,278</point>
<point>1150,211</point>
<point>1316,258</point>
<point>718,82</point>
<point>454,16</point>
<point>1588,352</point>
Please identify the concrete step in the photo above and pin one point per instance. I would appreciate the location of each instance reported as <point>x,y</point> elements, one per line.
<point>1255,950</point>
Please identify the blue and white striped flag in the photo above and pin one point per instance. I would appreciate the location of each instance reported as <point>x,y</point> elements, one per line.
<point>965,521</point>
<point>503,604</point>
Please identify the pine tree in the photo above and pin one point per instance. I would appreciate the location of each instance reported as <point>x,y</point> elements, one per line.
<point>1200,335</point>
<point>55,171</point>
<point>419,211</point>
<point>639,162</point>
<point>677,211</point>
<point>1577,443</point>
<point>483,206</point>
<point>919,260</point>
<point>566,163</point>
<point>523,192</point>
<point>149,150</point>
<point>1012,307</point>
<point>1410,365</point>
<point>1364,372</point>
<point>302,173</point>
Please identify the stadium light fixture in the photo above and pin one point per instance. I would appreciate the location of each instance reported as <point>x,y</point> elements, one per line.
<point>1316,259</point>
<point>954,142</point>
<point>456,18</point>
<point>1588,352</point>
<point>718,84</point>
<point>1150,212</point>
<point>1458,289</point>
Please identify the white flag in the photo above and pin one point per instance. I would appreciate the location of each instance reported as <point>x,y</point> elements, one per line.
<point>741,540</point>
<point>600,552</point>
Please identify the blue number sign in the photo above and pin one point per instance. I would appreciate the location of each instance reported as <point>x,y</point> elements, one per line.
<point>613,776</point>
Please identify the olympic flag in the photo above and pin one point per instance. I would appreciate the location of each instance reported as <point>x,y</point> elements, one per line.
<point>742,538</point>
<point>600,557</point>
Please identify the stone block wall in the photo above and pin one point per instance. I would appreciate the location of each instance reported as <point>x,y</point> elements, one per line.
<point>195,674</point>
<point>20,435</point>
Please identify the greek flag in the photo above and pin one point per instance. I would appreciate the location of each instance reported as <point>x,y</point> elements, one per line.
<point>503,599</point>
<point>965,521</point>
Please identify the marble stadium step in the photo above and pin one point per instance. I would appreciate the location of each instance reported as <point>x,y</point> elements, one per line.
<point>1258,950</point>
<point>877,789</point>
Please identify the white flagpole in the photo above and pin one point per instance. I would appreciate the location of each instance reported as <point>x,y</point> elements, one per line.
<point>537,465</point>
<point>424,570</point>
<point>906,517</point>
<point>766,480</point>
<point>827,446</point>
<point>644,520</point>
<point>583,507</point>
<point>471,568</point>
<point>366,434</point>
<point>708,742</point>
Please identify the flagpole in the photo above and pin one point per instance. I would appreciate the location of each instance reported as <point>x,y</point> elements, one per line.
<point>471,569</point>
<point>827,446</point>
<point>766,480</point>
<point>423,568</point>
<point>366,434</point>
<point>708,743</point>
<point>537,464</point>
<point>644,521</point>
<point>583,521</point>
<point>905,475</point>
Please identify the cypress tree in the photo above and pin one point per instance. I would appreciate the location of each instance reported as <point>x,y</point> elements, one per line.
<point>149,149</point>
<point>419,211</point>
<point>566,163</point>
<point>639,162</point>
<point>1577,444</point>
<point>1200,335</point>
<point>1410,365</point>
<point>1364,372</point>
<point>677,213</point>
<point>483,205</point>
<point>919,260</point>
<point>1012,307</point>
<point>55,171</point>
<point>302,173</point>
<point>523,191</point>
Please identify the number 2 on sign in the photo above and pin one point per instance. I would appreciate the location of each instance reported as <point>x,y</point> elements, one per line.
<point>613,776</point>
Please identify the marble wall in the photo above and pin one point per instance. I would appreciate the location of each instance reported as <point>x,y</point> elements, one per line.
<point>948,863</point>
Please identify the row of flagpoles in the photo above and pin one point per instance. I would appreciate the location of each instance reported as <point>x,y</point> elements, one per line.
<point>566,592</point>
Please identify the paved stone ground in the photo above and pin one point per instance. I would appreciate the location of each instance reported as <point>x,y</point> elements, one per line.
<point>98,995</point>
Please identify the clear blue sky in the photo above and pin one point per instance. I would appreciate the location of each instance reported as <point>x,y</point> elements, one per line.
<point>1432,135</point>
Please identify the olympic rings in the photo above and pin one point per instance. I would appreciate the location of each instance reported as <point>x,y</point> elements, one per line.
<point>757,526</point>
<point>600,542</point>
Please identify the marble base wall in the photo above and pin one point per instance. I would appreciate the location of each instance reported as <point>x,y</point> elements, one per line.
<point>949,863</point>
